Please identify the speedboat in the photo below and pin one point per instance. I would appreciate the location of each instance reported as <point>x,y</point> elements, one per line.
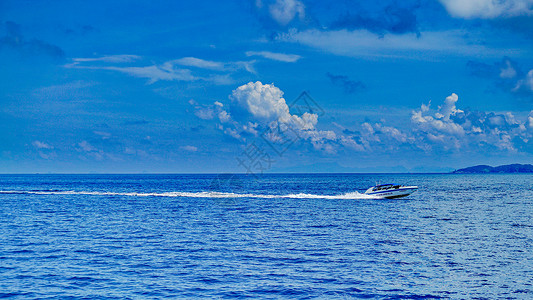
<point>391,191</point>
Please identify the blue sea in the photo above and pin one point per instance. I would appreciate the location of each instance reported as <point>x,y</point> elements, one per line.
<point>278,236</point>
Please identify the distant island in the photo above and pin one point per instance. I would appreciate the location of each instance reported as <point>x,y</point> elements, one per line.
<point>482,169</point>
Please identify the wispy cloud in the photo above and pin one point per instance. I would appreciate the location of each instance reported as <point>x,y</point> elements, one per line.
<point>365,43</point>
<point>215,65</point>
<point>121,58</point>
<point>199,63</point>
<point>41,145</point>
<point>92,152</point>
<point>275,56</point>
<point>168,71</point>
<point>155,73</point>
<point>85,146</point>
<point>189,148</point>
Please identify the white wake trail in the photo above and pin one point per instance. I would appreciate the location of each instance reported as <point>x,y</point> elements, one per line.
<point>351,195</point>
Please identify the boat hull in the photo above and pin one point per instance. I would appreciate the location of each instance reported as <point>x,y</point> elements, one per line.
<point>394,194</point>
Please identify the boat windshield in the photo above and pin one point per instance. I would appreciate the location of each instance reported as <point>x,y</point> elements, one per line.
<point>386,187</point>
<point>382,187</point>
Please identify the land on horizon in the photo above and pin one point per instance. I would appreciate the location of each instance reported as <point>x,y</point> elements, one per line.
<point>484,169</point>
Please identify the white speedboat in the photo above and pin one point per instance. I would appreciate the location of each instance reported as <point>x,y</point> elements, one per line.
<point>391,191</point>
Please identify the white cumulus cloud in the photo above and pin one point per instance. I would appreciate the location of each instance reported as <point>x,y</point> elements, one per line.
<point>266,104</point>
<point>264,101</point>
<point>260,110</point>
<point>448,108</point>
<point>263,110</point>
<point>451,128</point>
<point>488,9</point>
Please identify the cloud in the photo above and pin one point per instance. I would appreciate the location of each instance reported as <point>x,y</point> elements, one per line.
<point>453,129</point>
<point>260,109</point>
<point>440,122</point>
<point>199,63</point>
<point>525,83</point>
<point>444,130</point>
<point>90,151</point>
<point>44,150</point>
<point>284,11</point>
<point>488,9</point>
<point>189,148</point>
<point>204,113</point>
<point>120,58</point>
<point>393,18</point>
<point>448,108</point>
<point>381,17</point>
<point>362,42</point>
<point>275,15</point>
<point>15,40</point>
<point>41,145</point>
<point>164,72</point>
<point>349,86</point>
<point>214,65</point>
<point>104,135</point>
<point>210,112</point>
<point>506,75</point>
<point>275,56</point>
<point>85,146</point>
<point>380,137</point>
<point>167,71</point>
<point>264,101</point>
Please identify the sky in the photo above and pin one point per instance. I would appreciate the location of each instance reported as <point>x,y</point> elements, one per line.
<point>264,86</point>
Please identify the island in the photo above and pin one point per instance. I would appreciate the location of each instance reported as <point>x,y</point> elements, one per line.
<point>482,169</point>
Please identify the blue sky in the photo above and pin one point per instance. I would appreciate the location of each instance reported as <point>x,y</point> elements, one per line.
<point>212,86</point>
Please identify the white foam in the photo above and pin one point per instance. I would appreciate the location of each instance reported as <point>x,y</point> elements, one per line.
<point>351,195</point>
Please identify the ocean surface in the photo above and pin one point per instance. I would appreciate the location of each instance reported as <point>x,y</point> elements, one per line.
<point>279,236</point>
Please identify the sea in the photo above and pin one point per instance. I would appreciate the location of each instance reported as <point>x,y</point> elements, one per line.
<point>272,236</point>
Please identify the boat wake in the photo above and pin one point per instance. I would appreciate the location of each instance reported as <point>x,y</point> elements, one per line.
<point>351,195</point>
